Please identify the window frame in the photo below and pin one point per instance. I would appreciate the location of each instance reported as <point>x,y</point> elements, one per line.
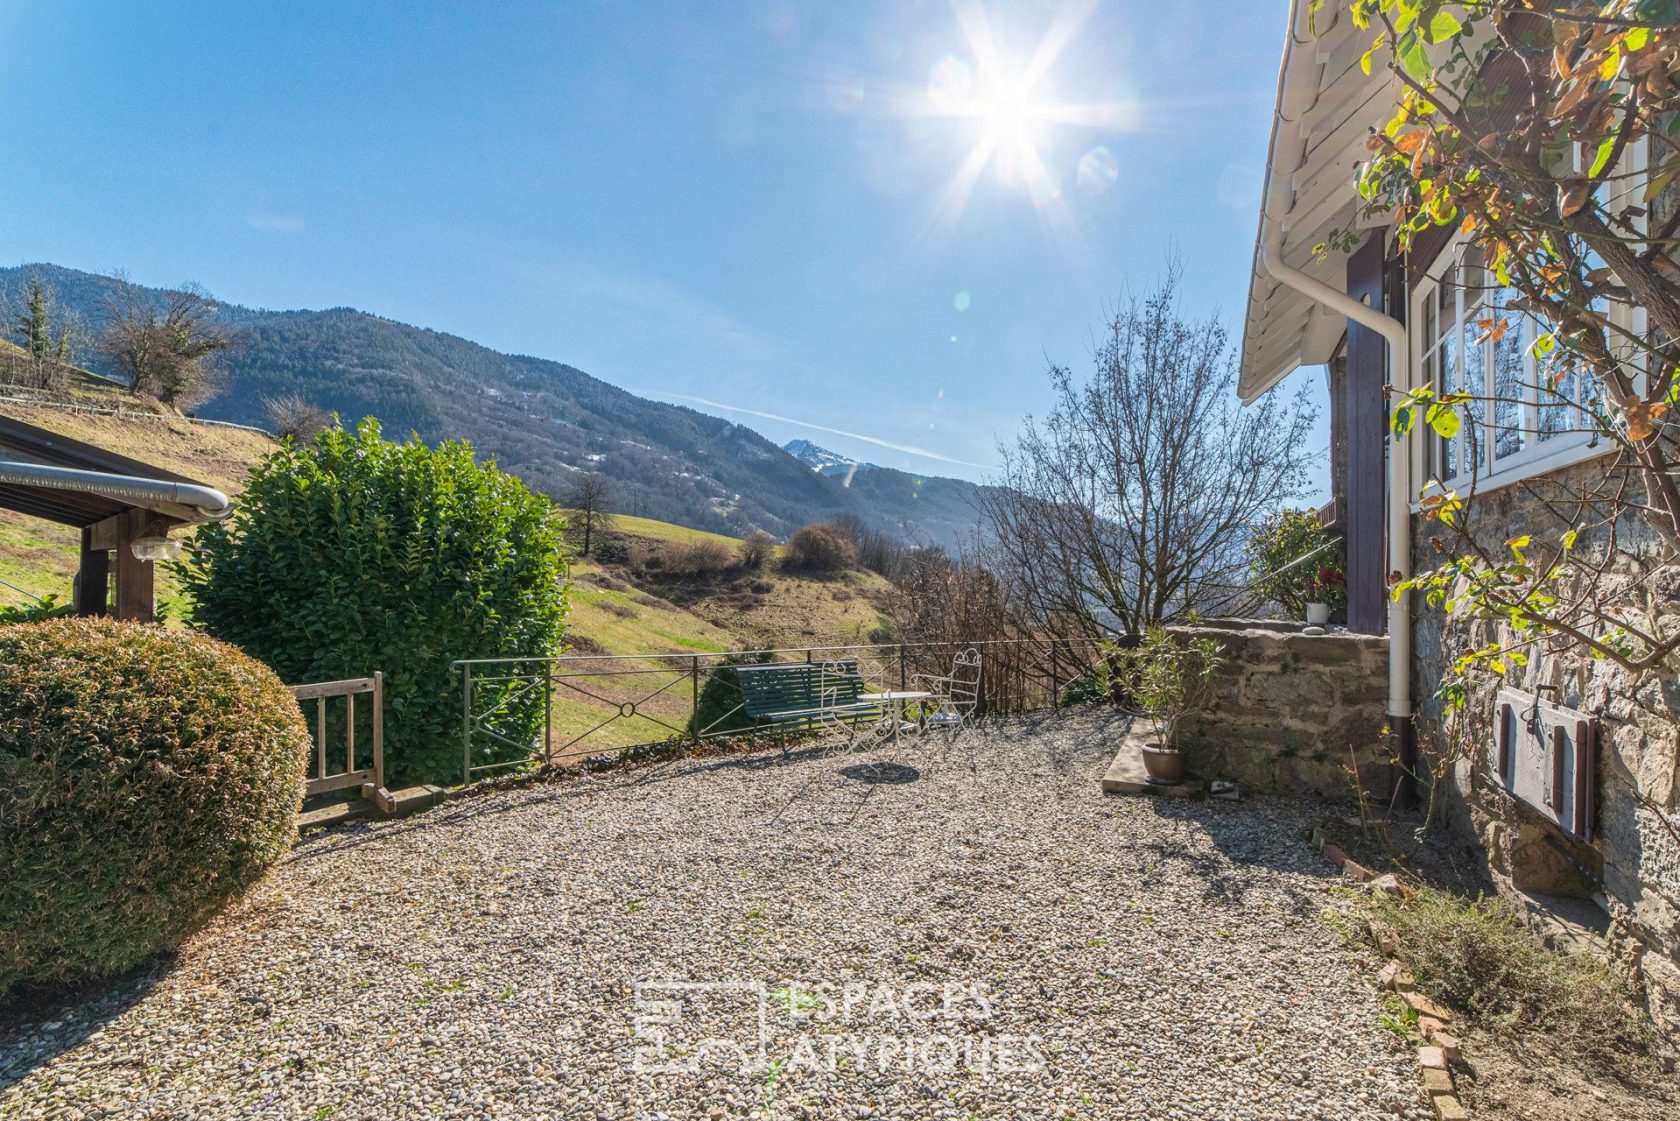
<point>1537,457</point>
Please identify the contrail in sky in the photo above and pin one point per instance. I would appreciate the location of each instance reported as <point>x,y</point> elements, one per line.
<point>905,448</point>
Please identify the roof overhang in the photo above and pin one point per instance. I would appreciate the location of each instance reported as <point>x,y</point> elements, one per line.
<point>1326,106</point>
<point>47,475</point>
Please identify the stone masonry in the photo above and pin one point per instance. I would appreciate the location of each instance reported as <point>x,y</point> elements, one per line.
<point>1293,711</point>
<point>1632,866</point>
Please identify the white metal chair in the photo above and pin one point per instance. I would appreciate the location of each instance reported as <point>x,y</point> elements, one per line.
<point>955,695</point>
<point>844,715</point>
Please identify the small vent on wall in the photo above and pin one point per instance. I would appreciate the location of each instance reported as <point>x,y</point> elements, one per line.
<point>1544,756</point>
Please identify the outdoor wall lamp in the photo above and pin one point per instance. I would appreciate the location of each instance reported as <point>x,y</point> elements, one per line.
<point>155,548</point>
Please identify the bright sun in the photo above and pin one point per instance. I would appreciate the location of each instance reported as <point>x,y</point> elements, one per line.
<point>1009,115</point>
<point>1003,97</point>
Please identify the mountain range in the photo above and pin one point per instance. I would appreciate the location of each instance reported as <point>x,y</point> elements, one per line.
<point>545,421</point>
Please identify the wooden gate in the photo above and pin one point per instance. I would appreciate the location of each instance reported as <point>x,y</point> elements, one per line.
<point>325,776</point>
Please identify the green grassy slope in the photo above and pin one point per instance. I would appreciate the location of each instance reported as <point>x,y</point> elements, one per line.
<point>636,608</point>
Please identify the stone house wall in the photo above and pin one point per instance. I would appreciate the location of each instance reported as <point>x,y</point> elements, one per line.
<point>1633,864</point>
<point>1294,712</point>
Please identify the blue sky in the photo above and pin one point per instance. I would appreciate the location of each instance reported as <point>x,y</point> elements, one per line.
<point>743,204</point>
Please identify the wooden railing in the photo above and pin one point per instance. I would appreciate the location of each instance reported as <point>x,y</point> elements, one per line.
<point>323,778</point>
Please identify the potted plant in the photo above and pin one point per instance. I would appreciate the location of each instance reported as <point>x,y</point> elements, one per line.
<point>1326,591</point>
<point>1168,678</point>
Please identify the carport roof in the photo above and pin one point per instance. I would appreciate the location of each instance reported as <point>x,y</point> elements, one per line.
<point>27,443</point>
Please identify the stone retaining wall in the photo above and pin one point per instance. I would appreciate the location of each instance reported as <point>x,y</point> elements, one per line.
<point>1294,711</point>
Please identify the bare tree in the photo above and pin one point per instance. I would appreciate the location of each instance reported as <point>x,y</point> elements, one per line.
<point>587,499</point>
<point>1129,504</point>
<point>943,603</point>
<point>293,417</point>
<point>876,551</point>
<point>756,550</point>
<point>820,550</point>
<point>164,341</point>
<point>941,598</point>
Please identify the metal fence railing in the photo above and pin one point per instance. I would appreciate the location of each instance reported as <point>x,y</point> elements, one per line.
<point>521,711</point>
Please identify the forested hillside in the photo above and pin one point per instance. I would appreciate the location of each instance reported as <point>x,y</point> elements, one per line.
<point>542,419</point>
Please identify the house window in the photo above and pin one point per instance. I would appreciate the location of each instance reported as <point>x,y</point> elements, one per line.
<point>1528,419</point>
<point>1524,418</point>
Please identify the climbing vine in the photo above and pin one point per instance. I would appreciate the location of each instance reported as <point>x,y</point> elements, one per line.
<point>1543,135</point>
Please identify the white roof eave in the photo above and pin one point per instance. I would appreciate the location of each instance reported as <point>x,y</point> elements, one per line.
<point>1325,106</point>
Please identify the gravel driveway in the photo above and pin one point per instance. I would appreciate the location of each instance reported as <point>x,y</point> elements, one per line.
<point>963,932</point>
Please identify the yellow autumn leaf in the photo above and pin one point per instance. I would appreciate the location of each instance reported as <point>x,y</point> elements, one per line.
<point>1612,63</point>
<point>1642,417</point>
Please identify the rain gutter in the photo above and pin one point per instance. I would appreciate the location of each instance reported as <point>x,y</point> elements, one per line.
<point>189,502</point>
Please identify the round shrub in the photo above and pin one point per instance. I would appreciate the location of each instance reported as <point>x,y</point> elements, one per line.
<point>719,710</point>
<point>357,554</point>
<point>146,778</point>
<point>756,550</point>
<point>821,550</point>
<point>698,559</point>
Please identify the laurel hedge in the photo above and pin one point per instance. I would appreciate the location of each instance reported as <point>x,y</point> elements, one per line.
<point>358,553</point>
<point>147,777</point>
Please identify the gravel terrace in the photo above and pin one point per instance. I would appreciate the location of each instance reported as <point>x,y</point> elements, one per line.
<point>968,930</point>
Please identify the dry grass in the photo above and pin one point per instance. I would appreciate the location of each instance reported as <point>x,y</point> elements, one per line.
<point>217,456</point>
<point>795,611</point>
<point>1479,957</point>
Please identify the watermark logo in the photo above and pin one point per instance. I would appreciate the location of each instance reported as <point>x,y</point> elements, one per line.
<point>685,1027</point>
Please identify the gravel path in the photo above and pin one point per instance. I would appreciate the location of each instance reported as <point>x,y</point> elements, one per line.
<point>962,932</point>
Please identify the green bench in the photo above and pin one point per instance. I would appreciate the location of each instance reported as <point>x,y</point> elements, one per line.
<point>804,692</point>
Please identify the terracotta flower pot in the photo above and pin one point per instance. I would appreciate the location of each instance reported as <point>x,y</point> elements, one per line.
<point>1164,765</point>
<point>1318,614</point>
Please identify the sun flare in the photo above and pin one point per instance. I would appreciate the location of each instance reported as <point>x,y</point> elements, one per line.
<point>1006,101</point>
<point>1009,115</point>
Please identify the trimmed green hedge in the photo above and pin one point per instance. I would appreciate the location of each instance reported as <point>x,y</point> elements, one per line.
<point>357,554</point>
<point>146,778</point>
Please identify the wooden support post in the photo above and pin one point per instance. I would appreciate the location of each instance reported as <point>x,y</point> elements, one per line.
<point>136,598</point>
<point>1365,415</point>
<point>379,729</point>
<point>93,578</point>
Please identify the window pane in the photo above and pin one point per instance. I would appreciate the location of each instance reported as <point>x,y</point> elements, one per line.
<point>1434,455</point>
<point>1509,387</point>
<point>1473,379</point>
<point>1557,415</point>
<point>1452,380</point>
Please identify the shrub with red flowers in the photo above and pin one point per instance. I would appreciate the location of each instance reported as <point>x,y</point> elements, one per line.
<point>1328,585</point>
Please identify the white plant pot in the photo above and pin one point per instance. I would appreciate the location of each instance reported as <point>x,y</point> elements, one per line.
<point>1318,614</point>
